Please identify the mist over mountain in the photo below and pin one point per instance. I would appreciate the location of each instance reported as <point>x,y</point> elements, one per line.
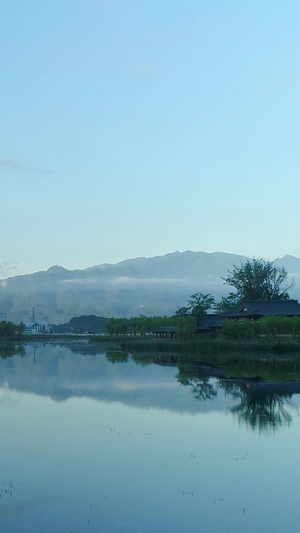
<point>149,286</point>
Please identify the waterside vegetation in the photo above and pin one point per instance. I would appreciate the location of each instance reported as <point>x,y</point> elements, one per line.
<point>252,280</point>
<point>276,334</point>
<point>11,330</point>
<point>272,334</point>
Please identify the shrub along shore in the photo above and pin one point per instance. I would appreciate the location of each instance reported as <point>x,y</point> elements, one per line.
<point>269,334</point>
<point>202,344</point>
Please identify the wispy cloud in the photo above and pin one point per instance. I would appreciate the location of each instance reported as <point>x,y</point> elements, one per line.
<point>145,68</point>
<point>9,269</point>
<point>8,163</point>
<point>148,281</point>
<point>125,281</point>
<point>13,164</point>
<point>89,281</point>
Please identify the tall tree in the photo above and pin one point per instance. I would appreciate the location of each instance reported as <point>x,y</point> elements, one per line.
<point>200,303</point>
<point>255,279</point>
<point>197,305</point>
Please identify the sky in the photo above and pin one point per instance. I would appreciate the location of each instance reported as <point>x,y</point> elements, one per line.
<point>135,128</point>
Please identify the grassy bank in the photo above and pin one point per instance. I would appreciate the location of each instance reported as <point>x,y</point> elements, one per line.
<point>204,343</point>
<point>40,337</point>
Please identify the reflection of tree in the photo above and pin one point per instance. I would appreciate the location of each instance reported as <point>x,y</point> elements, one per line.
<point>83,348</point>
<point>263,413</point>
<point>116,356</point>
<point>201,387</point>
<point>147,358</point>
<point>261,402</point>
<point>197,378</point>
<point>259,410</point>
<point>8,350</point>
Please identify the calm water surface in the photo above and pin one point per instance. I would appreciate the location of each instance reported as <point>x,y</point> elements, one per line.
<point>96,442</point>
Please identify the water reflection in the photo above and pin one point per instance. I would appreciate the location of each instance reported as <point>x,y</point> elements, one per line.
<point>263,413</point>
<point>114,356</point>
<point>259,409</point>
<point>262,405</point>
<point>8,350</point>
<point>202,389</point>
<point>106,441</point>
<point>63,370</point>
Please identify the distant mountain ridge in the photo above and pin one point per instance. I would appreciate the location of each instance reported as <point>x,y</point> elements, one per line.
<point>150,286</point>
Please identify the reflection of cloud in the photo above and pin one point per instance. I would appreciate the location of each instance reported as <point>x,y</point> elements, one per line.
<point>91,386</point>
<point>60,374</point>
<point>85,386</point>
<point>130,386</point>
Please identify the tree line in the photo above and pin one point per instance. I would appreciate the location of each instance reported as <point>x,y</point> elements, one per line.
<point>9,329</point>
<point>141,325</point>
<point>255,279</point>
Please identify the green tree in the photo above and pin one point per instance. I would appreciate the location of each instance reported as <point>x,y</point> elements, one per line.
<point>20,328</point>
<point>116,326</point>
<point>7,329</point>
<point>197,306</point>
<point>186,326</point>
<point>182,312</point>
<point>200,303</point>
<point>255,279</point>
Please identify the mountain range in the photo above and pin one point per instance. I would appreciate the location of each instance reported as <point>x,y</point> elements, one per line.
<point>141,286</point>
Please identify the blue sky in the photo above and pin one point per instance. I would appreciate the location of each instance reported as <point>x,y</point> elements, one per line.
<point>136,128</point>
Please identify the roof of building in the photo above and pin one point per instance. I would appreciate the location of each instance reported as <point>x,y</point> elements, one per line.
<point>268,307</point>
<point>209,321</point>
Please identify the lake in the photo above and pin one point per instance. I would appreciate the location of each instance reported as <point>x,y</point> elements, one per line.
<point>104,441</point>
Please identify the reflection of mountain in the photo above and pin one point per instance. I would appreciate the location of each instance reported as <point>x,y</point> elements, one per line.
<point>59,372</point>
<point>175,383</point>
<point>153,286</point>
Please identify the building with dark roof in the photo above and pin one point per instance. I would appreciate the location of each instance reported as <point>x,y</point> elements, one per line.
<point>250,309</point>
<point>209,323</point>
<point>260,308</point>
